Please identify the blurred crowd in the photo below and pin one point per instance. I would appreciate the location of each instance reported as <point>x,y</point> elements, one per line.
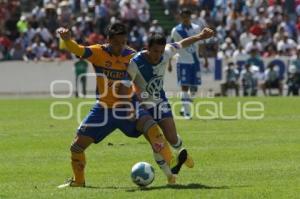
<point>260,28</point>
<point>270,27</point>
<point>253,29</point>
<point>31,34</point>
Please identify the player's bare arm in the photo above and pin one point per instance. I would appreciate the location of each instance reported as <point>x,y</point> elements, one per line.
<point>204,34</point>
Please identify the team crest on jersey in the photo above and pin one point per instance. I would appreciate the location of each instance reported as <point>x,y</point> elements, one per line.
<point>108,64</point>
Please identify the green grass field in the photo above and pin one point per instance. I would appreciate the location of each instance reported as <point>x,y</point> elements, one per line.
<point>235,158</point>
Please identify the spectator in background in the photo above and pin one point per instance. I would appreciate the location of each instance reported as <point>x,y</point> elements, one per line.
<point>239,52</point>
<point>22,24</point>
<point>144,16</point>
<point>272,80</point>
<point>228,47</point>
<point>156,28</point>
<point>218,14</point>
<point>249,81</point>
<point>128,14</point>
<point>38,48</point>
<point>140,4</point>
<point>102,16</point>
<point>51,18</point>
<point>286,45</point>
<point>81,67</point>
<point>254,45</point>
<point>231,79</point>
<point>44,33</point>
<point>255,60</point>
<point>256,29</point>
<point>233,18</point>
<point>270,51</point>
<point>64,12</point>
<point>171,7</point>
<point>135,39</point>
<point>18,51</point>
<point>293,81</point>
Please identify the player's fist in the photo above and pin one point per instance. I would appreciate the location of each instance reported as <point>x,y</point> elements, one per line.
<point>64,33</point>
<point>206,33</point>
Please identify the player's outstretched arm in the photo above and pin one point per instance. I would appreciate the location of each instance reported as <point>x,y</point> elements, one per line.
<point>71,45</point>
<point>204,34</point>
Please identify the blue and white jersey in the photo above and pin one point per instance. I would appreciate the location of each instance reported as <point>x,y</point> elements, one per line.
<point>187,55</point>
<point>149,78</point>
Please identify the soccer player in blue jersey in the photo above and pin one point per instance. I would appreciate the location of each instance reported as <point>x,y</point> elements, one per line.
<point>110,62</point>
<point>146,70</point>
<point>188,64</point>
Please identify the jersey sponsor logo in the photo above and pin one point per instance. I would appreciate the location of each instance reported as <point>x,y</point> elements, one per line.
<point>111,74</point>
<point>155,85</point>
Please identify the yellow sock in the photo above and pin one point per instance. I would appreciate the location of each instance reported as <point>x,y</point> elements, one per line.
<point>159,143</point>
<point>78,165</point>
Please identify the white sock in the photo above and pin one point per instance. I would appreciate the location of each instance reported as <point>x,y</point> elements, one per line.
<point>162,164</point>
<point>186,100</point>
<point>178,145</point>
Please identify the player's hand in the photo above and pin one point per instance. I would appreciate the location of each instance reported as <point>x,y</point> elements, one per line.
<point>206,33</point>
<point>64,33</point>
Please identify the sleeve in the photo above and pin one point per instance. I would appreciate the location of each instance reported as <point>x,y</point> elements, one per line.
<point>172,49</point>
<point>175,36</point>
<point>132,71</point>
<point>92,53</point>
<point>73,47</point>
<point>86,52</point>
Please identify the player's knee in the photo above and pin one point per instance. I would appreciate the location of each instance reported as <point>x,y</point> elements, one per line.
<point>76,148</point>
<point>147,124</point>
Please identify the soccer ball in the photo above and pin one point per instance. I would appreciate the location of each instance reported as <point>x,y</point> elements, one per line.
<point>142,174</point>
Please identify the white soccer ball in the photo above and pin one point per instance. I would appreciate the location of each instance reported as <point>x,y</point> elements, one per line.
<point>142,174</point>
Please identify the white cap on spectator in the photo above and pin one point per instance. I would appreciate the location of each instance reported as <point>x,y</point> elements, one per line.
<point>23,18</point>
<point>64,3</point>
<point>228,40</point>
<point>50,6</point>
<point>92,4</point>
<point>261,9</point>
<point>268,20</point>
<point>155,21</point>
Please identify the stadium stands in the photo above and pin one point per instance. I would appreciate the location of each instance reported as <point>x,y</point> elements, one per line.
<point>272,28</point>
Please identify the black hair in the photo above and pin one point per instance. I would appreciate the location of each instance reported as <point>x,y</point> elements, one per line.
<point>116,28</point>
<point>185,11</point>
<point>157,38</point>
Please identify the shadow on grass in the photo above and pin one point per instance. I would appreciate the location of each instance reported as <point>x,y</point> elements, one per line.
<point>177,186</point>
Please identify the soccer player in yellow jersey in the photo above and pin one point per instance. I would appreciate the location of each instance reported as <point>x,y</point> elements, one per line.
<point>110,62</point>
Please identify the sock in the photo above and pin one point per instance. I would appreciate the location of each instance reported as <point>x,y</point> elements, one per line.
<point>162,164</point>
<point>78,165</point>
<point>178,145</point>
<point>159,143</point>
<point>185,98</point>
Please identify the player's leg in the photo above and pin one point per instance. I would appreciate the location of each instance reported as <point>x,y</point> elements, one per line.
<point>168,127</point>
<point>152,133</point>
<point>162,153</point>
<point>94,128</point>
<point>147,126</point>
<point>183,81</point>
